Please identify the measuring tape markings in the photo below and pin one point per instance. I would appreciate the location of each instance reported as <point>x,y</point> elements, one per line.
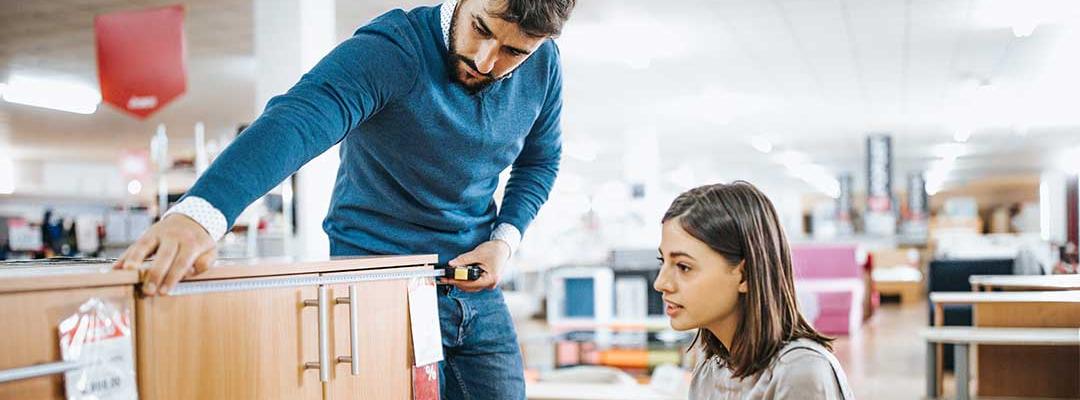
<point>190,288</point>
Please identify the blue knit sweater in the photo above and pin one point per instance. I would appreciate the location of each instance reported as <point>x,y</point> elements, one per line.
<point>420,155</point>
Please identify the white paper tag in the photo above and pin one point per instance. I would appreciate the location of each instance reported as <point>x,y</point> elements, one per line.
<point>424,316</point>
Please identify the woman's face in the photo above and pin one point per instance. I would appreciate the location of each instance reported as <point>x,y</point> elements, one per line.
<point>700,288</point>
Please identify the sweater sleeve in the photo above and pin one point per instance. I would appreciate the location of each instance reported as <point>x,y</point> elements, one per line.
<point>533,172</point>
<point>352,83</point>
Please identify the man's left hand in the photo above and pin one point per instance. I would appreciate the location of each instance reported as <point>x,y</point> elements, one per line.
<point>489,256</point>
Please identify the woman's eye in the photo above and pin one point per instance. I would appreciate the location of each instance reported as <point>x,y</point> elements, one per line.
<point>683,267</point>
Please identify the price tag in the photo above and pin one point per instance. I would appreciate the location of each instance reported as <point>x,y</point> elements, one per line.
<point>424,316</point>
<point>99,338</point>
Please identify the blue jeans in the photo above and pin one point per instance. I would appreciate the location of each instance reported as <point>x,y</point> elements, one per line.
<point>482,359</point>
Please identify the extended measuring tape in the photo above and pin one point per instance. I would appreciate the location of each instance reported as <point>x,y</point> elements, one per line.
<point>188,288</point>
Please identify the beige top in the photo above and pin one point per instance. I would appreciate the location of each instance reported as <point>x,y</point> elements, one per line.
<point>802,370</point>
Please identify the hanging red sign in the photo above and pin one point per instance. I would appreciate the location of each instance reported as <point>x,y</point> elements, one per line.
<point>141,58</point>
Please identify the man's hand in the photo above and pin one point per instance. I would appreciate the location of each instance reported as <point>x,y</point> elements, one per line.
<point>181,248</point>
<point>490,256</point>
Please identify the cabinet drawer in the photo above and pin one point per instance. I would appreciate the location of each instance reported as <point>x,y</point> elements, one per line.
<point>29,334</point>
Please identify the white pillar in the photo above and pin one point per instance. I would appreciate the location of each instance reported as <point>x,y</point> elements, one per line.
<point>291,36</point>
<point>1052,204</point>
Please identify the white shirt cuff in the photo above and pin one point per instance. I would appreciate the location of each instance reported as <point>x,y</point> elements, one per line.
<point>203,213</point>
<point>509,234</point>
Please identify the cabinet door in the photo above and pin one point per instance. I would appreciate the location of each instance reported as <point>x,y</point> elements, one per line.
<point>244,344</point>
<point>385,342</point>
<point>29,336</point>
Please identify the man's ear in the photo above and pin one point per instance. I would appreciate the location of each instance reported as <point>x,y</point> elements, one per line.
<point>739,269</point>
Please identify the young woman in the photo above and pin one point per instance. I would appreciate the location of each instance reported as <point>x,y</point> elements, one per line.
<point>726,271</point>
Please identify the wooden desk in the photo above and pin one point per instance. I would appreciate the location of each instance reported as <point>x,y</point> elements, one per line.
<point>1025,282</point>
<point>1022,371</point>
<point>962,337</point>
<point>910,292</point>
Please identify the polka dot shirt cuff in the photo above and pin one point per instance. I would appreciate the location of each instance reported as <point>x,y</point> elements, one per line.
<point>203,213</point>
<point>509,234</point>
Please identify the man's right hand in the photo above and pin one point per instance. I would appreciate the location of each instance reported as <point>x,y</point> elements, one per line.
<point>180,246</point>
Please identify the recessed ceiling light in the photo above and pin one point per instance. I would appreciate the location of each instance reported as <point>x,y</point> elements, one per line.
<point>761,144</point>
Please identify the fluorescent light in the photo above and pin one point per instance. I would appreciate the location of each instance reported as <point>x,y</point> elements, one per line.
<point>937,173</point>
<point>761,144</point>
<point>791,159</point>
<point>950,150</point>
<point>52,94</point>
<point>962,135</point>
<point>1024,29</point>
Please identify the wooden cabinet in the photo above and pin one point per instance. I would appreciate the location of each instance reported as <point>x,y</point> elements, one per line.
<point>251,329</point>
<point>248,344</point>
<point>260,333</point>
<point>32,308</point>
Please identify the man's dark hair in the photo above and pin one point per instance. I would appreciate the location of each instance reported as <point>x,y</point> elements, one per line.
<point>537,18</point>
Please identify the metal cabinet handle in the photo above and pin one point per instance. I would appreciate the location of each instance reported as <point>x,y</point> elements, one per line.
<point>37,371</point>
<point>354,329</point>
<point>323,305</point>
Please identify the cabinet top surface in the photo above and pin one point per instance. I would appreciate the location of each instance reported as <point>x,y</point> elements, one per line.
<point>30,277</point>
<point>256,267</point>
<point>45,275</point>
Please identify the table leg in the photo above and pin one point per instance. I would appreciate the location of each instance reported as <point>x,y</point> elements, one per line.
<point>961,361</point>
<point>939,356</point>
<point>931,370</point>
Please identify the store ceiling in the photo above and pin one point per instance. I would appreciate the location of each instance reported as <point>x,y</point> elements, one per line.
<point>702,77</point>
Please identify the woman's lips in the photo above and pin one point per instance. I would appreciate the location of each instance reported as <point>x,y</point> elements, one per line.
<point>671,309</point>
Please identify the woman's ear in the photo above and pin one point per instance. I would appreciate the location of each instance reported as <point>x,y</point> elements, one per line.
<point>739,269</point>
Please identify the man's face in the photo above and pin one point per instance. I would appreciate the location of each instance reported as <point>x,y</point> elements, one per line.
<point>484,47</point>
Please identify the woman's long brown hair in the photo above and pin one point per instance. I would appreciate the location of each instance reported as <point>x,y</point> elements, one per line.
<point>739,222</point>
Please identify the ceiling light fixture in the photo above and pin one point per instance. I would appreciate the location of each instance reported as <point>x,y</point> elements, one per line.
<point>1024,29</point>
<point>134,187</point>
<point>52,94</point>
<point>761,144</point>
<point>962,135</point>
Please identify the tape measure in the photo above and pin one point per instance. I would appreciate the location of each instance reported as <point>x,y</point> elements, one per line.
<point>466,273</point>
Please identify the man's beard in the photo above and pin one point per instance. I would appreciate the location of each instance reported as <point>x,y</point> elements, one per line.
<point>456,62</point>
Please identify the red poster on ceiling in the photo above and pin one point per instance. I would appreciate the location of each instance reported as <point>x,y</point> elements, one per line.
<point>140,57</point>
